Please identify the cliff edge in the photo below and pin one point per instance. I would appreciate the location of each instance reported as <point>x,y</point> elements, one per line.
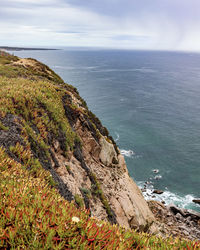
<point>44,120</point>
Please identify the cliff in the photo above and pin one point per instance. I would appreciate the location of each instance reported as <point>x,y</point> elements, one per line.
<point>46,125</point>
<point>48,117</point>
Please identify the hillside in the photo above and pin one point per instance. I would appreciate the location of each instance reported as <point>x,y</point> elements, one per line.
<point>61,171</point>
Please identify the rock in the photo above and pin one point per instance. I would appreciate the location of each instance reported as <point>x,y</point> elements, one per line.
<point>178,216</point>
<point>174,209</point>
<point>186,233</point>
<point>196,201</point>
<point>156,191</point>
<point>107,151</point>
<point>188,219</point>
<point>193,214</point>
<point>157,177</point>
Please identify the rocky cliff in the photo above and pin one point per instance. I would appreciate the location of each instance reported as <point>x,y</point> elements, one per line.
<point>44,121</point>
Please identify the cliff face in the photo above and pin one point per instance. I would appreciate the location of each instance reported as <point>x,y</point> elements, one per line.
<point>44,120</point>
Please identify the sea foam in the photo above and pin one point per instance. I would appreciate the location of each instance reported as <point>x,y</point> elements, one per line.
<point>169,197</point>
<point>127,153</point>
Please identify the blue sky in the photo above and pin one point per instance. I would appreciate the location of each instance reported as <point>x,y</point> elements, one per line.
<point>125,24</point>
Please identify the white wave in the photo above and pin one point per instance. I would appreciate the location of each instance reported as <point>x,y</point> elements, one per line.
<point>63,67</point>
<point>157,177</point>
<point>137,156</point>
<point>169,197</point>
<point>117,139</point>
<point>127,153</point>
<point>72,68</point>
<point>89,67</point>
<point>142,70</point>
<point>146,70</point>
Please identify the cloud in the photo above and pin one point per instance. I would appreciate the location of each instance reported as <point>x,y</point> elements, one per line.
<point>156,24</point>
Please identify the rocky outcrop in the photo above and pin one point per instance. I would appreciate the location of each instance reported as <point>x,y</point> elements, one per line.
<point>156,191</point>
<point>197,201</point>
<point>175,221</point>
<point>78,151</point>
<point>97,173</point>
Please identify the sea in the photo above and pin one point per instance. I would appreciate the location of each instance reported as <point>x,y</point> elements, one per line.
<point>150,103</point>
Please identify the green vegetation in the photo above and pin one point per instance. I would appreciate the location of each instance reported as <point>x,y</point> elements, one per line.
<point>40,106</point>
<point>98,192</point>
<point>35,216</point>
<point>79,201</point>
<point>29,68</point>
<point>86,192</point>
<point>33,213</point>
<point>2,127</point>
<point>68,168</point>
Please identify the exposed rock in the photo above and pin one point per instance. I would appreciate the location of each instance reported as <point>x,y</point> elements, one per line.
<point>174,209</point>
<point>179,216</point>
<point>156,191</point>
<point>196,201</point>
<point>107,152</point>
<point>175,221</point>
<point>125,199</point>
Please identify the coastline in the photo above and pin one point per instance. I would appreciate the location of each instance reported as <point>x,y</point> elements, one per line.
<point>176,222</point>
<point>85,164</point>
<point>7,48</point>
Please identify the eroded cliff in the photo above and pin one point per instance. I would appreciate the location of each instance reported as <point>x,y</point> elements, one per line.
<point>44,120</point>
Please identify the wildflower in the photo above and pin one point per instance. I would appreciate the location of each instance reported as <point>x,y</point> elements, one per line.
<point>75,219</point>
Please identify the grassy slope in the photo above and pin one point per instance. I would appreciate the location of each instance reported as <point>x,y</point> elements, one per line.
<point>33,214</point>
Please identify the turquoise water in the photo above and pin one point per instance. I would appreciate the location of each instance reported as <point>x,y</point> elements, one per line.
<point>150,102</point>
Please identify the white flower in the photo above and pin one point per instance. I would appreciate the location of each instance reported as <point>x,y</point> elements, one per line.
<point>75,219</point>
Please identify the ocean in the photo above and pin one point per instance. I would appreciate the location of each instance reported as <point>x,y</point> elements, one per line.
<point>150,103</point>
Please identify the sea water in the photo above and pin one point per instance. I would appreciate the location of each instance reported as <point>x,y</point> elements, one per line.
<point>150,102</point>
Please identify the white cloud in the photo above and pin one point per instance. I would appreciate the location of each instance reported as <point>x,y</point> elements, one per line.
<point>27,2</point>
<point>54,22</point>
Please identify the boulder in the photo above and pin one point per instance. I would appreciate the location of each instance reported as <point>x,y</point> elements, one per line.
<point>107,151</point>
<point>156,191</point>
<point>196,201</point>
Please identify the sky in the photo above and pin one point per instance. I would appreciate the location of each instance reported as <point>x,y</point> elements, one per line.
<point>123,24</point>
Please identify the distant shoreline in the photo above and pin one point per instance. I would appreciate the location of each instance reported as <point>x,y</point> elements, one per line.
<point>22,48</point>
